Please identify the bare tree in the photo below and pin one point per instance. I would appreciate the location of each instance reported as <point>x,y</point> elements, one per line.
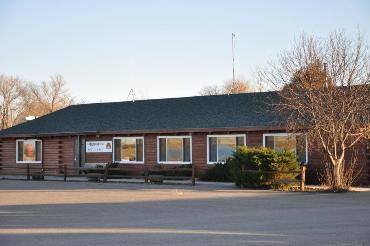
<point>50,96</point>
<point>19,99</point>
<point>324,89</point>
<point>210,90</point>
<point>240,85</point>
<point>237,86</point>
<point>13,100</point>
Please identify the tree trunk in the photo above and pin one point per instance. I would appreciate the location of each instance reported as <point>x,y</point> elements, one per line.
<point>337,175</point>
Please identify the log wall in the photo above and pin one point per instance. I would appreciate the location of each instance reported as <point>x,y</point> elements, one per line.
<point>59,151</point>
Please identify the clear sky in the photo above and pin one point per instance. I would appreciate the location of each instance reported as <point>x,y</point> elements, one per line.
<point>158,48</point>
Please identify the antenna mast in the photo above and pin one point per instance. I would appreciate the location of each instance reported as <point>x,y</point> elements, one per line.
<point>233,53</point>
<point>132,94</point>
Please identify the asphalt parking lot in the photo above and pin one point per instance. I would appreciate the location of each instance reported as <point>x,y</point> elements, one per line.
<point>82,213</point>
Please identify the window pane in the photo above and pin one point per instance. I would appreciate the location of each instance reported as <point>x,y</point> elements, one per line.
<point>301,148</point>
<point>38,151</point>
<point>269,142</point>
<point>286,143</point>
<point>117,149</point>
<point>186,144</point>
<point>139,149</point>
<point>240,141</point>
<point>128,149</point>
<point>174,149</point>
<point>20,151</point>
<point>212,149</point>
<point>29,150</point>
<point>226,146</point>
<point>162,149</point>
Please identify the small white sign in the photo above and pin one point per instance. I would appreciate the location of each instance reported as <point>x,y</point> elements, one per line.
<point>98,146</point>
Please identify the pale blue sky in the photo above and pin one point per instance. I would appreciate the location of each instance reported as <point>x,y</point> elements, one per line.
<point>158,48</point>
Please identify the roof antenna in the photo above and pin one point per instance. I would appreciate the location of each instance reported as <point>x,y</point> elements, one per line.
<point>233,54</point>
<point>132,94</point>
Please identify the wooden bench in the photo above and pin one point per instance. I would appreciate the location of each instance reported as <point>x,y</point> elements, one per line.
<point>95,176</point>
<point>156,179</point>
<point>38,175</point>
<point>160,173</point>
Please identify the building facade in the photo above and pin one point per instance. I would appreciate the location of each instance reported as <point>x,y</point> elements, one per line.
<point>200,131</point>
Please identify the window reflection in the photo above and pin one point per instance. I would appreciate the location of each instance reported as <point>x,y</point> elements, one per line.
<point>295,143</point>
<point>28,150</point>
<point>226,146</point>
<point>174,149</point>
<point>285,143</point>
<point>128,149</point>
<point>220,148</point>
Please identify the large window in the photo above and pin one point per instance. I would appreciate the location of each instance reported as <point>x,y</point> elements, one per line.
<point>29,151</point>
<point>128,150</point>
<point>296,143</point>
<point>221,147</point>
<point>174,149</point>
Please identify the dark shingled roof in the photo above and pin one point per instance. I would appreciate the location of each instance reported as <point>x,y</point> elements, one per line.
<point>247,110</point>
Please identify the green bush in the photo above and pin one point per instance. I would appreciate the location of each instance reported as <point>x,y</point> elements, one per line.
<point>220,172</point>
<point>262,162</point>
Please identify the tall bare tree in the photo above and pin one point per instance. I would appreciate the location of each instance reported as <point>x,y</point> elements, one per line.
<point>239,85</point>
<point>13,100</point>
<point>50,96</point>
<point>324,89</point>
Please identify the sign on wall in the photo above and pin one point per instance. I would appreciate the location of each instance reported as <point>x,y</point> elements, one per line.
<point>98,146</point>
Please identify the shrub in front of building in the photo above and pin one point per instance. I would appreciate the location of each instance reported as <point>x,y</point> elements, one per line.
<point>260,167</point>
<point>219,172</point>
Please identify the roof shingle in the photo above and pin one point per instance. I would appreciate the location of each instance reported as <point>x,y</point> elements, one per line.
<point>247,110</point>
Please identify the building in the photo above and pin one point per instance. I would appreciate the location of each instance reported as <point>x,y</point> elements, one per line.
<point>200,130</point>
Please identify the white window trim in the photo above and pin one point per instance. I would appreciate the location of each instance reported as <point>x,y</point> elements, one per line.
<point>222,135</point>
<point>174,162</point>
<point>16,152</point>
<point>128,162</point>
<point>286,134</point>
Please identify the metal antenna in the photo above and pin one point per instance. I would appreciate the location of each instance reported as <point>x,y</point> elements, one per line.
<point>233,53</point>
<point>132,94</point>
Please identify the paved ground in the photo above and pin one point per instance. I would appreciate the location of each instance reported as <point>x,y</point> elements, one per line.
<point>82,213</point>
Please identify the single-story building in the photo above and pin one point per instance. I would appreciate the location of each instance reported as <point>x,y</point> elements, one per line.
<point>200,130</point>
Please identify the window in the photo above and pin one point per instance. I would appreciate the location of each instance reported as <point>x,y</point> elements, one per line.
<point>29,151</point>
<point>221,147</point>
<point>174,149</point>
<point>128,150</point>
<point>296,143</point>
